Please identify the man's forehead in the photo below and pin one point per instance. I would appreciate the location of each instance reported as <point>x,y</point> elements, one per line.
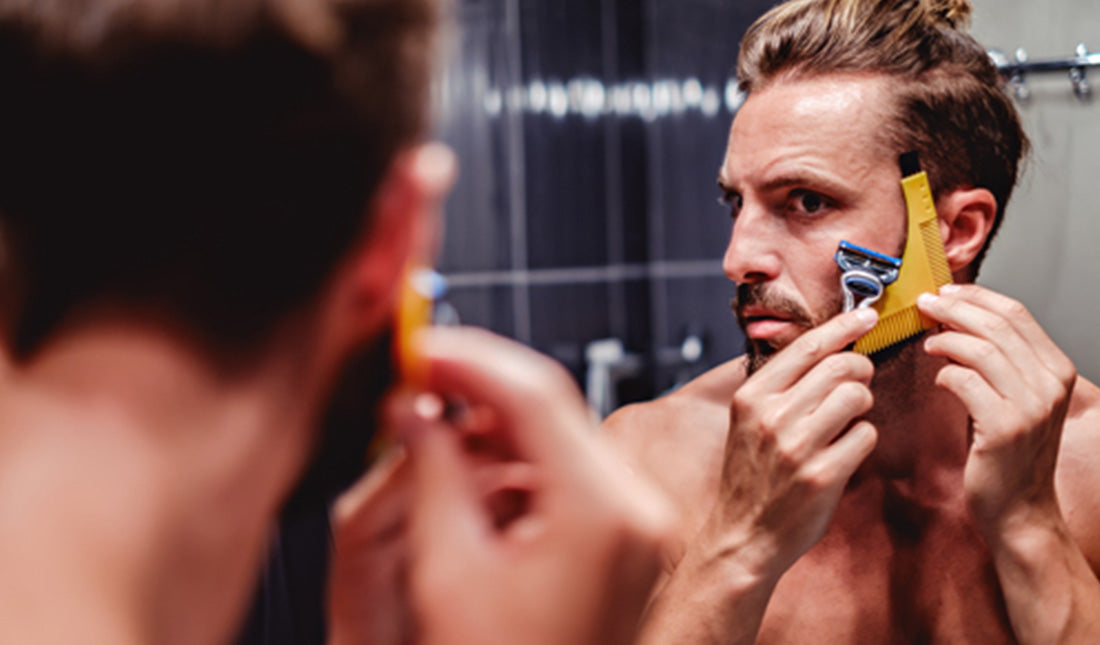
<point>827,120</point>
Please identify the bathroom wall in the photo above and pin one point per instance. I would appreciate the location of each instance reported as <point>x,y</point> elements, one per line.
<point>589,135</point>
<point>1046,254</point>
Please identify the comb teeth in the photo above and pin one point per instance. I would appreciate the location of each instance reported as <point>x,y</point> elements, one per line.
<point>891,330</point>
<point>937,259</point>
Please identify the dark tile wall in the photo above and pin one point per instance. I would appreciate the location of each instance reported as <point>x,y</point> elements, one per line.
<point>570,227</point>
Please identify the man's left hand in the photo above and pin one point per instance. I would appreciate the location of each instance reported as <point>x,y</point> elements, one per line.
<point>1016,385</point>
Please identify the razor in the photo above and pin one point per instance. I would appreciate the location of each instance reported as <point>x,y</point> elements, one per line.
<point>864,274</point>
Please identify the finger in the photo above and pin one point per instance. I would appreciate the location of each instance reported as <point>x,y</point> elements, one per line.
<point>538,406</point>
<point>840,461</point>
<point>375,505</point>
<point>979,398</point>
<point>492,478</point>
<point>792,363</point>
<point>959,314</point>
<point>982,356</point>
<point>805,396</point>
<point>1000,319</point>
<point>1009,309</point>
<point>446,517</point>
<point>845,403</point>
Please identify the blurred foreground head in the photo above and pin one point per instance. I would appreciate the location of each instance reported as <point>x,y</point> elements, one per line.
<point>205,161</point>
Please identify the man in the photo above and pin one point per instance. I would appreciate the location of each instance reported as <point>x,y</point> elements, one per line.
<point>206,209</point>
<point>941,492</point>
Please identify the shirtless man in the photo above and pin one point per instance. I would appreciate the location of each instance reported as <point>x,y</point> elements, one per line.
<point>206,208</point>
<point>944,491</point>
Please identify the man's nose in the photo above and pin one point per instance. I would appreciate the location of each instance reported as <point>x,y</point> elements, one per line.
<point>752,255</point>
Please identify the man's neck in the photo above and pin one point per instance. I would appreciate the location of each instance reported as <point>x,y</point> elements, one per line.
<point>138,487</point>
<point>922,428</point>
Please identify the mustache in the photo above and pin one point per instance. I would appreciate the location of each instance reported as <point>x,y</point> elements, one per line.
<point>761,295</point>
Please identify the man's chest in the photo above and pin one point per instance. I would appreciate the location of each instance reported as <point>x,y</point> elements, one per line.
<point>865,583</point>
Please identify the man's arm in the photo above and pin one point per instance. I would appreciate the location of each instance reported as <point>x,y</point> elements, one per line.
<point>790,449</point>
<point>1017,386</point>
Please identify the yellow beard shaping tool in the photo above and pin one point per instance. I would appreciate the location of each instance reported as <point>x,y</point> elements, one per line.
<point>924,267</point>
<point>414,311</point>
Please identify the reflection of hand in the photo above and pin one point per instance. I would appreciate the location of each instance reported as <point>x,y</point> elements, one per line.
<point>1016,385</point>
<point>366,600</point>
<point>574,562</point>
<point>792,446</point>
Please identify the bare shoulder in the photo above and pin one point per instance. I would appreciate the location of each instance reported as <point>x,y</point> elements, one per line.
<point>1078,478</point>
<point>676,437</point>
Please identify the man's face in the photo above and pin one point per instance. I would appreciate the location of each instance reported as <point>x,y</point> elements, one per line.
<point>805,169</point>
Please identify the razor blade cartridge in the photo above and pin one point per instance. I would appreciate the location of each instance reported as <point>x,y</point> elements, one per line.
<point>865,274</point>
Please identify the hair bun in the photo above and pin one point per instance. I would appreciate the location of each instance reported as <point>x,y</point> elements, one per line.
<point>955,13</point>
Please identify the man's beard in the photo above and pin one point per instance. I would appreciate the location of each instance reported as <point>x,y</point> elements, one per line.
<point>759,294</point>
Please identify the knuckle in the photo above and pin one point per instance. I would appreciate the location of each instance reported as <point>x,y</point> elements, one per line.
<point>856,395</point>
<point>997,326</point>
<point>838,367</point>
<point>790,450</point>
<point>808,344</point>
<point>1066,373</point>
<point>1015,308</point>
<point>864,367</point>
<point>771,424</point>
<point>816,478</point>
<point>742,400</point>
<point>985,350</point>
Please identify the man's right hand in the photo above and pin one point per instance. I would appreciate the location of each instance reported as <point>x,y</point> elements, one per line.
<point>792,447</point>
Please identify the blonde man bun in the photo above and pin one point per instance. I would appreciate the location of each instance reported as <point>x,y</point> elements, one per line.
<point>955,13</point>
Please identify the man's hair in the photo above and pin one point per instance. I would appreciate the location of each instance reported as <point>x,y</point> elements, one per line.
<point>209,159</point>
<point>949,102</point>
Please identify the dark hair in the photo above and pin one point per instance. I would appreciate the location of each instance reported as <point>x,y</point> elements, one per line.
<point>949,103</point>
<point>212,159</point>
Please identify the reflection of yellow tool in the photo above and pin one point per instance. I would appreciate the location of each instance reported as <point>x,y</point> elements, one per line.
<point>924,267</point>
<point>414,311</point>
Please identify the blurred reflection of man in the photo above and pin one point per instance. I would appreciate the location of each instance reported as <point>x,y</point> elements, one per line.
<point>206,209</point>
<point>943,492</point>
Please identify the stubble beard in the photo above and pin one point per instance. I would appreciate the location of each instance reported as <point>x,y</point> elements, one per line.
<point>759,352</point>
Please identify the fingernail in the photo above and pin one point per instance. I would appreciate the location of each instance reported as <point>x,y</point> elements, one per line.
<point>926,299</point>
<point>427,406</point>
<point>949,289</point>
<point>867,315</point>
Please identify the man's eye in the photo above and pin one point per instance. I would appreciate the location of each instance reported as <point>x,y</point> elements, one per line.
<point>733,202</point>
<point>807,202</point>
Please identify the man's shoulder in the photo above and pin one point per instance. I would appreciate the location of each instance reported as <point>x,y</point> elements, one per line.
<point>707,395</point>
<point>1078,479</point>
<point>678,428</point>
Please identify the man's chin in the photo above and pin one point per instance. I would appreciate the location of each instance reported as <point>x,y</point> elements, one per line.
<point>758,353</point>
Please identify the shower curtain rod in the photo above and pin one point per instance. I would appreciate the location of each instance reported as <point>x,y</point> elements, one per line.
<point>1023,65</point>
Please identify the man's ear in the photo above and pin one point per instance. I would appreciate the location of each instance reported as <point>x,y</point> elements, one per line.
<point>966,221</point>
<point>403,224</point>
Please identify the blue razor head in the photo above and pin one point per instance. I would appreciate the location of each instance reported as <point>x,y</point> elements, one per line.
<point>851,257</point>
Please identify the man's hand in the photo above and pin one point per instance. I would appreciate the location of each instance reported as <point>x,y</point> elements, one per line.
<point>792,446</point>
<point>571,562</point>
<point>1016,385</point>
<point>793,443</point>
